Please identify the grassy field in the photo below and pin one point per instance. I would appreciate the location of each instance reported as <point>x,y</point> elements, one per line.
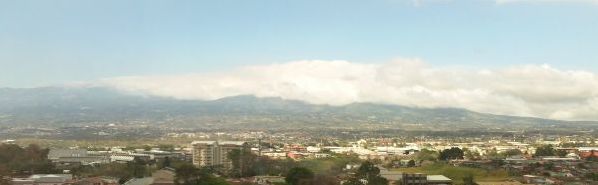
<point>457,173</point>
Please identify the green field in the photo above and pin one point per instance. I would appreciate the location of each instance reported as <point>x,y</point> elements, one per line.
<point>457,173</point>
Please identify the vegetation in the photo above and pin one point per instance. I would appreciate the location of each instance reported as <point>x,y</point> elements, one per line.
<point>329,166</point>
<point>246,164</point>
<point>243,162</point>
<point>512,152</point>
<point>451,154</point>
<point>24,161</point>
<point>468,180</point>
<point>187,174</point>
<point>122,171</point>
<point>545,150</point>
<point>18,161</point>
<point>411,163</point>
<point>472,155</point>
<point>426,155</point>
<point>459,173</point>
<point>368,174</point>
<point>298,175</point>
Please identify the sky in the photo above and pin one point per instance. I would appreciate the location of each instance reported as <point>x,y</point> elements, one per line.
<point>516,57</point>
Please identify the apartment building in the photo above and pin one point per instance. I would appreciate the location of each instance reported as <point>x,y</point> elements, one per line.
<point>214,153</point>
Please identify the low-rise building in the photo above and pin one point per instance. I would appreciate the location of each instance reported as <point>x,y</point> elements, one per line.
<point>269,180</point>
<point>44,179</point>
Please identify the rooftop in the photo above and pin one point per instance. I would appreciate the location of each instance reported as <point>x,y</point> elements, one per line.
<point>438,178</point>
<point>219,142</point>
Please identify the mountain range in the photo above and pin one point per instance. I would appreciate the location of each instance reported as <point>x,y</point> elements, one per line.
<point>79,106</point>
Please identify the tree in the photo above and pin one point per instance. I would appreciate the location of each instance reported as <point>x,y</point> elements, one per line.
<point>242,162</point>
<point>188,174</point>
<point>492,154</point>
<point>411,163</point>
<point>368,174</point>
<point>548,166</point>
<point>561,153</point>
<point>147,147</point>
<point>513,152</point>
<point>298,174</point>
<point>451,154</point>
<point>471,155</point>
<point>212,180</point>
<point>166,162</point>
<point>25,161</point>
<point>545,150</point>
<point>426,155</point>
<point>320,180</point>
<point>469,180</point>
<point>139,168</point>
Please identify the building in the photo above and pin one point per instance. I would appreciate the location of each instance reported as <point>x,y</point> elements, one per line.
<point>414,179</point>
<point>438,180</point>
<point>269,180</point>
<point>423,179</point>
<point>587,152</point>
<point>140,181</point>
<point>56,154</point>
<point>44,179</point>
<point>97,181</point>
<point>214,153</point>
<point>74,157</point>
<point>87,160</point>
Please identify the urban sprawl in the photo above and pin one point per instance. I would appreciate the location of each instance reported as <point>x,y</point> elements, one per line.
<point>303,157</point>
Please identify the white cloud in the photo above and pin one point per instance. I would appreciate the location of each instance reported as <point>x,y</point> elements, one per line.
<point>546,1</point>
<point>529,90</point>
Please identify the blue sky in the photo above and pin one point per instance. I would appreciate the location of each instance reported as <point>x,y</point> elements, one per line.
<point>53,42</point>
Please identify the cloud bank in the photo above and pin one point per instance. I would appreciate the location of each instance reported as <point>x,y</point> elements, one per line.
<point>527,90</point>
